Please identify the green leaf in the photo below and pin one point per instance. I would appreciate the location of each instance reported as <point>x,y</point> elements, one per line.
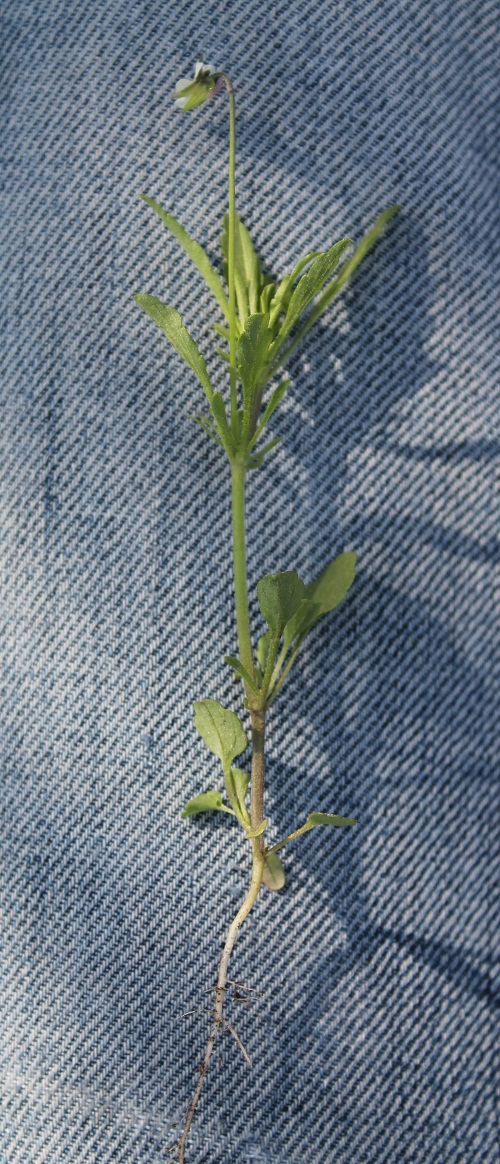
<point>207,424</point>
<point>274,873</point>
<point>196,253</point>
<point>301,622</point>
<point>267,292</point>
<point>255,460</point>
<point>263,650</point>
<point>219,410</point>
<point>223,331</point>
<point>246,267</point>
<point>310,285</point>
<point>258,830</point>
<point>328,818</point>
<point>283,293</point>
<point>348,268</point>
<point>220,729</point>
<point>171,324</point>
<point>333,583</point>
<point>252,351</point>
<point>241,781</point>
<point>272,404</point>
<point>205,802</point>
<point>279,597</point>
<point>240,670</point>
<point>322,595</point>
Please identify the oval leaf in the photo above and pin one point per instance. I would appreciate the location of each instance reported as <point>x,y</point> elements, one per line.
<point>220,729</point>
<point>334,582</point>
<point>328,818</point>
<point>302,620</point>
<point>274,873</point>
<point>205,802</point>
<point>279,597</point>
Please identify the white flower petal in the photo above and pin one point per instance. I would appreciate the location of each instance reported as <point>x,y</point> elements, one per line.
<point>180,102</point>
<point>183,83</point>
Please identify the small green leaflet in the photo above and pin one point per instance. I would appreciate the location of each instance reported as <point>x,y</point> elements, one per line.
<point>252,352</point>
<point>196,253</point>
<point>308,286</point>
<point>239,670</point>
<point>220,729</point>
<point>256,460</point>
<point>328,818</point>
<point>331,587</point>
<point>219,411</point>
<point>274,873</point>
<point>207,424</point>
<point>171,324</point>
<point>302,621</point>
<point>279,597</point>
<point>205,802</point>
<point>348,268</point>
<point>283,293</point>
<point>322,595</point>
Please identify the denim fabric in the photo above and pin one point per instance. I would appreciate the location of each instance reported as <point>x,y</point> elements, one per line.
<point>373,1033</point>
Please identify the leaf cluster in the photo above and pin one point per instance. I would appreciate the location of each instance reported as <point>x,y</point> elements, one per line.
<point>290,610</point>
<point>271,320</point>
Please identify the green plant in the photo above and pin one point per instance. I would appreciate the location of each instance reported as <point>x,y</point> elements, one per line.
<point>263,324</point>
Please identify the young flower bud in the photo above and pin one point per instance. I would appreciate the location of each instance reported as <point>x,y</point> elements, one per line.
<point>189,93</point>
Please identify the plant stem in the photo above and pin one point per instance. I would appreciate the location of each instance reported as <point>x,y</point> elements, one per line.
<point>230,251</point>
<point>244,910</point>
<point>238,473</point>
<point>291,837</point>
<point>257,785</point>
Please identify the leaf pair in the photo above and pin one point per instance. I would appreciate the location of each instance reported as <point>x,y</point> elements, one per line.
<point>290,609</point>
<point>322,595</point>
<point>226,738</point>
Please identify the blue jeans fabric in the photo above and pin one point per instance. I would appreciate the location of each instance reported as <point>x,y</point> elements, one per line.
<point>373,1032</point>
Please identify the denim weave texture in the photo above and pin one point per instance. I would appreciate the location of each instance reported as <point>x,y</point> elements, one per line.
<point>374,1027</point>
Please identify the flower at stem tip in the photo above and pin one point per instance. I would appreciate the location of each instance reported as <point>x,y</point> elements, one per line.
<point>193,91</point>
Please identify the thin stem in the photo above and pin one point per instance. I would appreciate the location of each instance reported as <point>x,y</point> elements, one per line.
<point>266,679</point>
<point>257,788</point>
<point>238,473</point>
<point>231,247</point>
<point>218,1019</point>
<point>291,837</point>
<point>286,671</point>
<point>281,659</point>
